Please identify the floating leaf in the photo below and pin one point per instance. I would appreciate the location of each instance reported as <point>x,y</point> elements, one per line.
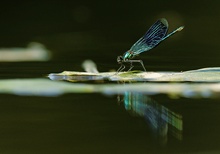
<point>200,75</point>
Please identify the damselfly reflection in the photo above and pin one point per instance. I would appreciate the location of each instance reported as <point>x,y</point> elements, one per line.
<point>159,118</point>
<point>151,39</point>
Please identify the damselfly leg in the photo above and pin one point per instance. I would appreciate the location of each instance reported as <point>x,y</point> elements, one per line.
<point>122,67</point>
<point>131,66</point>
<point>136,61</point>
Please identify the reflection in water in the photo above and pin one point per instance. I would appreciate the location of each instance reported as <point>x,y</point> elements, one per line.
<point>160,119</point>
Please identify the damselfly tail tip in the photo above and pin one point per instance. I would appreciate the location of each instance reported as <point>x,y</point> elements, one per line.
<point>180,28</point>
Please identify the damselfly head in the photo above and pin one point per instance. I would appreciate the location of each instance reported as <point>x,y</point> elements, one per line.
<point>119,59</point>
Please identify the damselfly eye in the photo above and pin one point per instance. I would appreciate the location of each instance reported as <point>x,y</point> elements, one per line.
<point>119,59</point>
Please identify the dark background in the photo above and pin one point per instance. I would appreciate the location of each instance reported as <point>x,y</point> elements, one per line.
<point>102,30</point>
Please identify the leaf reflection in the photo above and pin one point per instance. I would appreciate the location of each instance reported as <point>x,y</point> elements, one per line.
<point>160,119</point>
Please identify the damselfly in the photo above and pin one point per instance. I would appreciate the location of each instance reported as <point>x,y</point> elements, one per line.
<point>155,35</point>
